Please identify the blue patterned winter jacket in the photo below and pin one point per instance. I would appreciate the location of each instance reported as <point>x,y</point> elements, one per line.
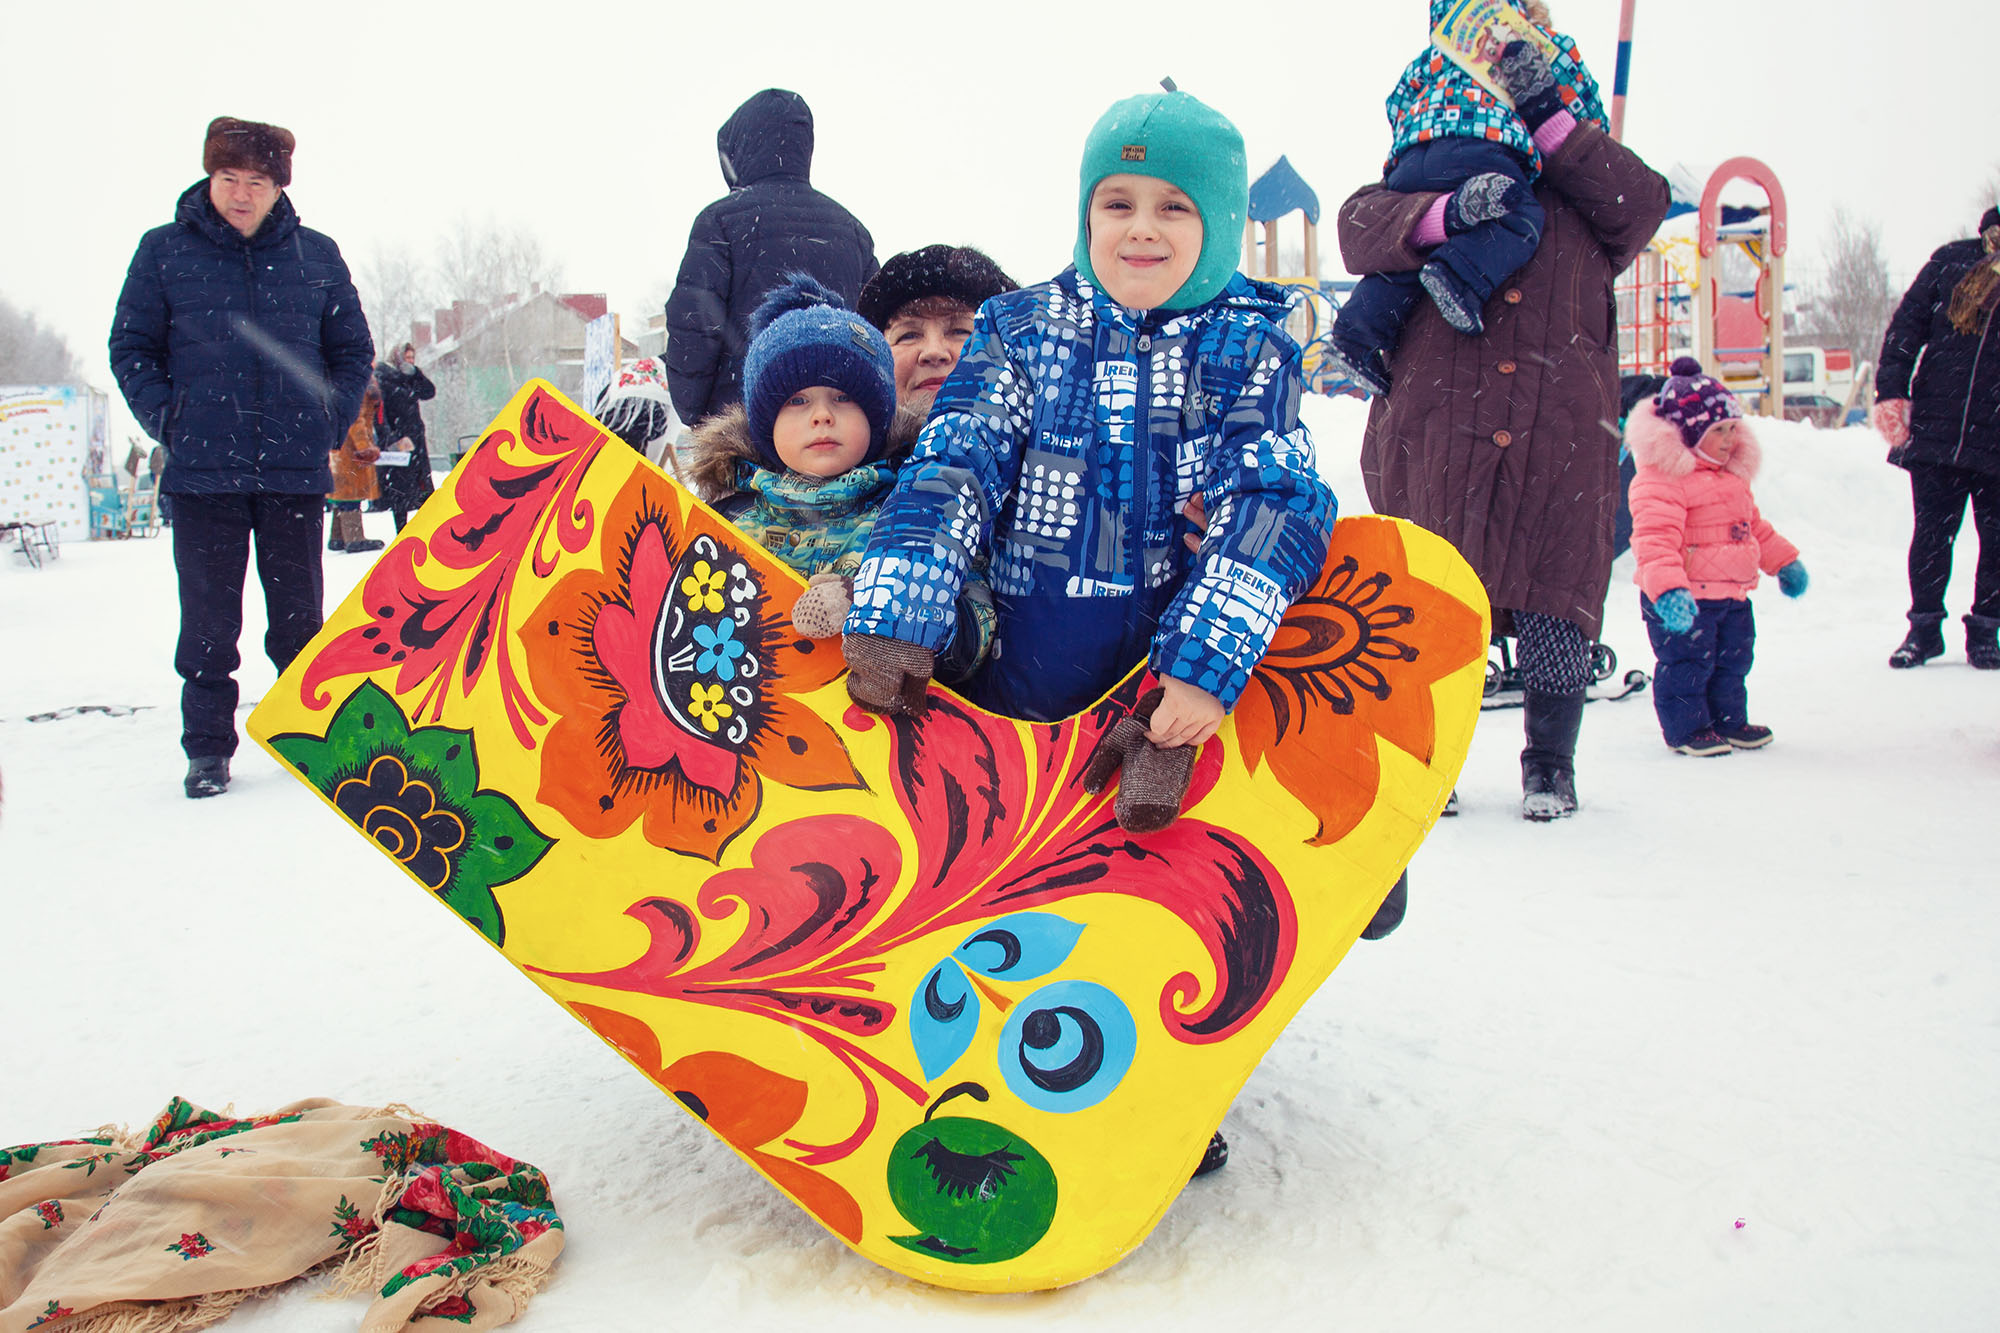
<point>1067,441</point>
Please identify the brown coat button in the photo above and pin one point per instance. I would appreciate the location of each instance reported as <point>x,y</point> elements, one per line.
<point>1503,438</point>
<point>1506,367</point>
<point>1512,296</point>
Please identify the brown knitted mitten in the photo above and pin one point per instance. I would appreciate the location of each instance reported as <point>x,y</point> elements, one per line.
<point>1152,781</point>
<point>886,675</point>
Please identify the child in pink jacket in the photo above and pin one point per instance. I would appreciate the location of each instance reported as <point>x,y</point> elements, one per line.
<point>1701,543</point>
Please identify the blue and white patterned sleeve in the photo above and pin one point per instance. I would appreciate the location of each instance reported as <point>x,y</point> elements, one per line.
<point>1270,517</point>
<point>938,522</point>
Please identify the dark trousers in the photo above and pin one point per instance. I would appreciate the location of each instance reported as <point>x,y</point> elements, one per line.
<point>212,539</point>
<point>1701,679</point>
<point>1484,257</point>
<point>1939,493</point>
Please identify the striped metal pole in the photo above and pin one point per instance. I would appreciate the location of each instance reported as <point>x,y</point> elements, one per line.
<point>1624,74</point>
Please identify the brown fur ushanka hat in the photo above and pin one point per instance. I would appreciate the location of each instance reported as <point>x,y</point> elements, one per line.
<point>248,145</point>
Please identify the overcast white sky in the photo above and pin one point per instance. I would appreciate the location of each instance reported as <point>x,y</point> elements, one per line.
<point>594,125</point>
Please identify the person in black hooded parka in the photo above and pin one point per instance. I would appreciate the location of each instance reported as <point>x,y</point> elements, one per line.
<point>770,224</point>
<point>404,387</point>
<point>240,345</point>
<point>1937,401</point>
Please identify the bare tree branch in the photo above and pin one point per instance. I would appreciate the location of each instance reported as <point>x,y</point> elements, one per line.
<point>396,290</point>
<point>1848,301</point>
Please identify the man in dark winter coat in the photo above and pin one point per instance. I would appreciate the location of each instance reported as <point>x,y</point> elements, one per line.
<point>404,386</point>
<point>1937,401</point>
<point>240,345</point>
<point>770,224</point>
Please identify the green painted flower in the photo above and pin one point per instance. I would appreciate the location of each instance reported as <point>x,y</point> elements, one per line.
<point>415,794</point>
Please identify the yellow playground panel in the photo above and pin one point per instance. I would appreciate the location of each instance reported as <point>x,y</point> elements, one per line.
<point>908,970</point>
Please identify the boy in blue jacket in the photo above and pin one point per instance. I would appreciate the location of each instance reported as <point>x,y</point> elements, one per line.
<point>1084,414</point>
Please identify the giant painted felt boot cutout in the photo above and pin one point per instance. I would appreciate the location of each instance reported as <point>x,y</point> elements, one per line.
<point>907,967</point>
<point>1548,764</point>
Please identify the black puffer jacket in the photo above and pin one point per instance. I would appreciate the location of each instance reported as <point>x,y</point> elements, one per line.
<point>1955,390</point>
<point>245,357</point>
<point>772,222</point>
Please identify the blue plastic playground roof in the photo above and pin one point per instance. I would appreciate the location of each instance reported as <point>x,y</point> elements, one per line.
<point>1280,191</point>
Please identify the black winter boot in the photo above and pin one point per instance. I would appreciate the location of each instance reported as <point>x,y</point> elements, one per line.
<point>206,776</point>
<point>1548,764</point>
<point>1982,642</point>
<point>1390,914</point>
<point>1924,641</point>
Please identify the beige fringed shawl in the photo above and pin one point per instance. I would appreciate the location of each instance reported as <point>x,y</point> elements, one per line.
<point>174,1227</point>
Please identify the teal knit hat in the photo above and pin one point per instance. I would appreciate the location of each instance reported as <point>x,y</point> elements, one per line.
<point>1174,137</point>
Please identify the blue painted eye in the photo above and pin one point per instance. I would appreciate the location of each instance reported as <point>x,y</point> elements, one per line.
<point>1020,947</point>
<point>1067,1046</point>
<point>944,1018</point>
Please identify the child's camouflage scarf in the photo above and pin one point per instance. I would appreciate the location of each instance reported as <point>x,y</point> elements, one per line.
<point>173,1228</point>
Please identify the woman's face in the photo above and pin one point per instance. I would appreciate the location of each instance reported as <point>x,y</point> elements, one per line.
<point>925,341</point>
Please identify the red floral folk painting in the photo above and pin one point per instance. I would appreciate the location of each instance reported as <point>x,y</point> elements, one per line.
<point>909,970</point>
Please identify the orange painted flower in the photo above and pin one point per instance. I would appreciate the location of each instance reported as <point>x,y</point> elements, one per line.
<point>673,671</point>
<point>1321,695</point>
<point>746,1105</point>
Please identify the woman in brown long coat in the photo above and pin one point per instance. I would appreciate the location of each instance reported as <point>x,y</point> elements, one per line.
<point>354,476</point>
<point>1506,443</point>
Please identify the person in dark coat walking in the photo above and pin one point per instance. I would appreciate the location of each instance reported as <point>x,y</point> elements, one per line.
<point>1506,444</point>
<point>770,224</point>
<point>403,387</point>
<point>1937,402</point>
<point>240,345</point>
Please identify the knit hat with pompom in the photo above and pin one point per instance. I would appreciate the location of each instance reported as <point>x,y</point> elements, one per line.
<point>1692,400</point>
<point>804,335</point>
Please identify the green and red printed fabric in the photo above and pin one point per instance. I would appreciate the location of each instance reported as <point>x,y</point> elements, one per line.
<point>174,1226</point>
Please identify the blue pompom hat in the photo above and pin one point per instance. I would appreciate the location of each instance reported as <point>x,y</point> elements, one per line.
<point>804,335</point>
<point>1174,137</point>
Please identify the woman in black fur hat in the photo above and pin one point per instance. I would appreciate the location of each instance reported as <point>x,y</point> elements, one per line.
<point>923,301</point>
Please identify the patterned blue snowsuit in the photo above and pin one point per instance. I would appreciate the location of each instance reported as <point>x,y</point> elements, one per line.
<point>1067,441</point>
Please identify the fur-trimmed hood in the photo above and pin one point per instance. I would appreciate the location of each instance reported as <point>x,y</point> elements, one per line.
<point>722,444</point>
<point>1656,443</point>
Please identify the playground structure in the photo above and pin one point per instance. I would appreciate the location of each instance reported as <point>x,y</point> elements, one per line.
<point>1687,295</point>
<point>1276,195</point>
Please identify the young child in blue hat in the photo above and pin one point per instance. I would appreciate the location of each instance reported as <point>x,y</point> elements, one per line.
<point>1451,134</point>
<point>802,465</point>
<point>1084,414</point>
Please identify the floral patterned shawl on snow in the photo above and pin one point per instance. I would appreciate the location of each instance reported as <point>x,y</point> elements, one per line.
<point>172,1228</point>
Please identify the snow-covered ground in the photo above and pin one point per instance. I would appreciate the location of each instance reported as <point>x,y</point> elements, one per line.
<point>1719,1053</point>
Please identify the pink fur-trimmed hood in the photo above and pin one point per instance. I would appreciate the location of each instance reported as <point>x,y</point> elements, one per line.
<point>1656,443</point>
